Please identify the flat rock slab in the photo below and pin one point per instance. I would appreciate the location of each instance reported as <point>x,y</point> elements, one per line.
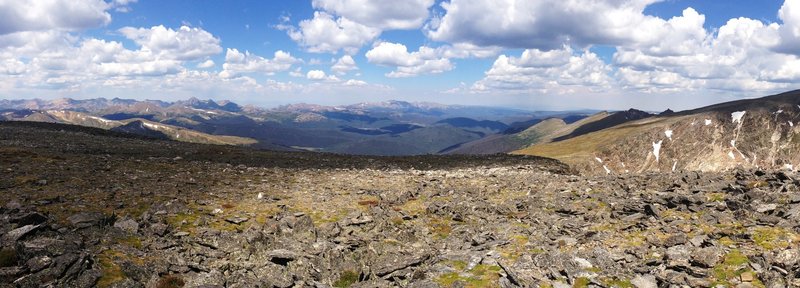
<point>16,234</point>
<point>396,263</point>
<point>237,220</point>
<point>85,220</point>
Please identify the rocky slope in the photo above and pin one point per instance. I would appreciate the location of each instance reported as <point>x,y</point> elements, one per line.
<point>755,133</point>
<point>86,207</point>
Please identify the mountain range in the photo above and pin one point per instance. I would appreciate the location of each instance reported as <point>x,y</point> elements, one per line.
<point>751,133</point>
<point>382,128</point>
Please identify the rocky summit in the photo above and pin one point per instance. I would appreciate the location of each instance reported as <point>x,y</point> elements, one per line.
<point>84,207</point>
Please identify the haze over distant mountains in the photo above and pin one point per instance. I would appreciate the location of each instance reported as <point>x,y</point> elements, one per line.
<point>382,128</point>
<point>762,134</point>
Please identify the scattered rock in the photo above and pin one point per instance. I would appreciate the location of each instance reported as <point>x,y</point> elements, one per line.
<point>16,234</point>
<point>644,281</point>
<point>127,225</point>
<point>237,220</point>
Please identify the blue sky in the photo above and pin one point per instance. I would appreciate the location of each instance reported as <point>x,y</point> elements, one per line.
<point>548,54</point>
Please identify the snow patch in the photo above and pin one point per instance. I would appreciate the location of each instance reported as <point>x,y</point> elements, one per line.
<point>674,164</point>
<point>205,111</point>
<point>101,119</point>
<point>730,154</point>
<point>152,126</point>
<point>791,124</point>
<point>657,148</point>
<point>737,116</point>
<point>260,195</point>
<point>789,167</point>
<point>708,122</point>
<point>598,159</point>
<point>608,171</point>
<point>733,143</point>
<point>669,134</point>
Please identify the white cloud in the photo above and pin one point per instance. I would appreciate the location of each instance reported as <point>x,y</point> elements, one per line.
<point>738,57</point>
<point>237,63</point>
<point>186,43</point>
<point>424,61</point>
<point>344,65</point>
<point>298,72</point>
<point>382,14</point>
<point>122,6</point>
<point>466,50</point>
<point>42,15</point>
<point>353,82</point>
<point>206,64</point>
<point>544,24</point>
<point>790,30</point>
<point>315,75</point>
<point>324,34</point>
<point>557,71</point>
<point>319,75</point>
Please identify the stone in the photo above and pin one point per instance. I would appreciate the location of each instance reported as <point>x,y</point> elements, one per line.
<point>31,218</point>
<point>788,258</point>
<point>46,246</point>
<point>85,220</point>
<point>698,240</point>
<point>678,256</point>
<point>36,264</point>
<point>644,281</point>
<point>282,256</point>
<point>707,257</point>
<point>397,262</point>
<point>763,208</point>
<point>747,277</point>
<point>16,234</point>
<point>128,225</point>
<point>237,220</point>
<point>159,229</point>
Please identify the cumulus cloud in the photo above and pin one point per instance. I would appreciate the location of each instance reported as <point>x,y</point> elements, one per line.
<point>66,15</point>
<point>315,75</point>
<point>323,33</point>
<point>206,64</point>
<point>57,59</point>
<point>186,43</point>
<point>557,71</point>
<point>738,57</point>
<point>237,63</point>
<point>344,65</point>
<point>382,14</point>
<point>354,82</point>
<point>424,61</point>
<point>319,75</point>
<point>790,30</point>
<point>545,24</point>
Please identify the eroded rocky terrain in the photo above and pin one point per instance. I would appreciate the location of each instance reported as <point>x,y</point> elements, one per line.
<point>86,207</point>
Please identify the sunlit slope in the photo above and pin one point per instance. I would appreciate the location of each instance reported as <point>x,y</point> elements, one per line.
<point>746,133</point>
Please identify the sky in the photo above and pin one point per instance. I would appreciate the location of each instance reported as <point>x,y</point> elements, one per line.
<point>536,55</point>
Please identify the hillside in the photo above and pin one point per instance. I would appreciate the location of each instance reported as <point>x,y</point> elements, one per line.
<point>86,207</point>
<point>747,133</point>
<point>543,131</point>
